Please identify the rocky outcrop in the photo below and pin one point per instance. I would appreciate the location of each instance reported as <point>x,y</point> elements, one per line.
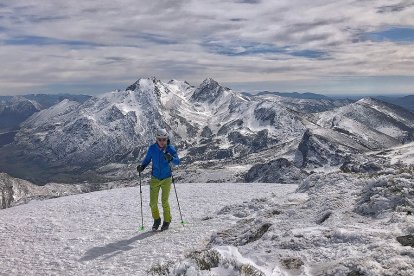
<point>324,147</point>
<point>407,240</point>
<point>278,171</point>
<point>352,167</point>
<point>6,198</point>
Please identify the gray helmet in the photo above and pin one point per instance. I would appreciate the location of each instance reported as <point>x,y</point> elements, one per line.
<point>161,133</point>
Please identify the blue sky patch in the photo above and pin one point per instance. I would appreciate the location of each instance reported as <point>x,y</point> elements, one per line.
<point>251,48</point>
<point>394,34</point>
<point>242,48</point>
<point>41,40</point>
<point>309,54</point>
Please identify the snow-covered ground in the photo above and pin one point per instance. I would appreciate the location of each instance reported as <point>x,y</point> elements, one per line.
<point>332,223</point>
<point>400,154</point>
<point>97,233</point>
<point>335,224</point>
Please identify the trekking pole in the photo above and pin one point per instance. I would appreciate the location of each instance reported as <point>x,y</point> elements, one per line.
<point>140,193</point>
<point>176,195</point>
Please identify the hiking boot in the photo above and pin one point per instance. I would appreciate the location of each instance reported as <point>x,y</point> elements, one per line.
<point>165,225</point>
<point>156,224</point>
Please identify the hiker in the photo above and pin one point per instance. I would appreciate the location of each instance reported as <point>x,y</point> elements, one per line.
<point>161,153</point>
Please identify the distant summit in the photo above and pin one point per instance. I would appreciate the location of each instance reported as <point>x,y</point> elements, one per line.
<point>208,91</point>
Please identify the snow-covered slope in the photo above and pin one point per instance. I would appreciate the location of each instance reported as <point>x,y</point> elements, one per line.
<point>373,120</point>
<point>332,224</point>
<point>305,105</point>
<point>335,224</point>
<point>401,154</point>
<point>97,233</point>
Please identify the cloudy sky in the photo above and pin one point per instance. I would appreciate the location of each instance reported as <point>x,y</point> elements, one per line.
<point>331,47</point>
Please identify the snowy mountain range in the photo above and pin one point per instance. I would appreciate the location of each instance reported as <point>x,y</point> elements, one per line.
<point>16,109</point>
<point>363,126</point>
<point>211,125</point>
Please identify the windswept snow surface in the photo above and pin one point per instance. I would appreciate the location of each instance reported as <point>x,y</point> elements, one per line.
<point>401,154</point>
<point>335,224</point>
<point>97,233</point>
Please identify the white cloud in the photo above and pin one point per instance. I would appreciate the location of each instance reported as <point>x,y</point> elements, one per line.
<point>48,42</point>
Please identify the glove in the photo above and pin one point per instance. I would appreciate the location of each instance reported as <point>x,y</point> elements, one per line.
<point>140,168</point>
<point>168,156</point>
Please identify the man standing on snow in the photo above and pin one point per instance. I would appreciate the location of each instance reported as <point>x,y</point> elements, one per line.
<point>161,154</point>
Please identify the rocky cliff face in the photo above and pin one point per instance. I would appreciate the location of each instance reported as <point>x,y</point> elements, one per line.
<point>6,196</point>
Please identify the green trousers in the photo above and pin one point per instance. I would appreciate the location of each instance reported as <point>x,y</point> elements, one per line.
<point>165,186</point>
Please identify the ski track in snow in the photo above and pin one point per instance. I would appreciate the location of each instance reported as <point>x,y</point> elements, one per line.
<point>98,233</point>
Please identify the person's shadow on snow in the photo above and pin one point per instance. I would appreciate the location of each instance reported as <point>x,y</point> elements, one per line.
<point>113,248</point>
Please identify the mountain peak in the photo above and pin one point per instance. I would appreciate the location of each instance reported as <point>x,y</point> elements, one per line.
<point>208,91</point>
<point>210,82</point>
<point>365,99</point>
<point>179,82</point>
<point>372,102</point>
<point>142,81</point>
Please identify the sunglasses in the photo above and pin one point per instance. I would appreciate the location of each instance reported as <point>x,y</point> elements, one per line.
<point>162,139</point>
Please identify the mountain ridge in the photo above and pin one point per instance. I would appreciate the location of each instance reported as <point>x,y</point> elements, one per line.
<point>209,123</point>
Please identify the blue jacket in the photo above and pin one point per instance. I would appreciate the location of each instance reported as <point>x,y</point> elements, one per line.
<point>160,167</point>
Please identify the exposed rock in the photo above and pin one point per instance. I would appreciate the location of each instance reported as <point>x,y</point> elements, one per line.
<point>206,132</point>
<point>206,259</point>
<point>368,167</point>
<point>265,114</point>
<point>324,217</point>
<point>278,171</point>
<point>292,263</point>
<point>355,273</point>
<point>317,150</point>
<point>407,240</point>
<point>6,198</point>
<point>249,231</point>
